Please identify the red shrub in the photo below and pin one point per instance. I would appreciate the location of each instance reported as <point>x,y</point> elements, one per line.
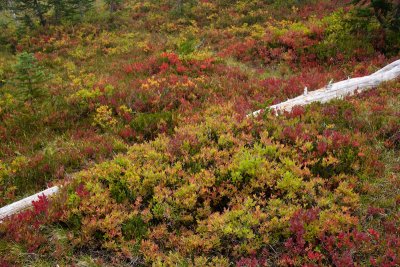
<point>24,227</point>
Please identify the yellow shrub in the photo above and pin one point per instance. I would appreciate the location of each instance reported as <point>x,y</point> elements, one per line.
<point>104,118</point>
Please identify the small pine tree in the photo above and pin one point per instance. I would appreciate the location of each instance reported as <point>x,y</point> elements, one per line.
<point>29,76</point>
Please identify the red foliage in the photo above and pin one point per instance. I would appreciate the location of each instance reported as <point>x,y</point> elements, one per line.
<point>297,111</point>
<point>339,249</point>
<point>24,227</point>
<point>127,133</point>
<point>322,147</point>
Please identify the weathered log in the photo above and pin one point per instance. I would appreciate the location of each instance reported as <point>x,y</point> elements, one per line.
<point>25,203</point>
<point>339,89</point>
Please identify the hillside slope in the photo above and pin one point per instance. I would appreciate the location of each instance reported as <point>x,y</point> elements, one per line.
<point>141,115</point>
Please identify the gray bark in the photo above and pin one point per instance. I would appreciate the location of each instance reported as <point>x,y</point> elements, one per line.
<point>339,90</point>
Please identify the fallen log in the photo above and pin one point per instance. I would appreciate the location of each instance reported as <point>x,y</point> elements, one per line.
<point>338,90</point>
<point>25,203</point>
<point>323,95</point>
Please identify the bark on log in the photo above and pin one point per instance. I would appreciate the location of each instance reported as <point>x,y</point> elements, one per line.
<point>25,203</point>
<point>339,89</point>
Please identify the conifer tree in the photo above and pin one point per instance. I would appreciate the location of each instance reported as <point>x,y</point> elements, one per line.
<point>29,77</point>
<point>70,9</point>
<point>387,12</point>
<point>60,9</point>
<point>28,9</point>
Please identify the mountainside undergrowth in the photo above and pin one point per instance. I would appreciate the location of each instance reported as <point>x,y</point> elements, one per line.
<point>138,108</point>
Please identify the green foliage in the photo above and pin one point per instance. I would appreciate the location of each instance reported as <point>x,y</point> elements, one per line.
<point>188,46</point>
<point>114,5</point>
<point>30,11</point>
<point>29,78</point>
<point>342,36</point>
<point>290,184</point>
<point>387,12</point>
<point>181,7</point>
<point>70,9</point>
<point>249,165</point>
<point>27,9</point>
<point>134,228</point>
<point>147,123</point>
